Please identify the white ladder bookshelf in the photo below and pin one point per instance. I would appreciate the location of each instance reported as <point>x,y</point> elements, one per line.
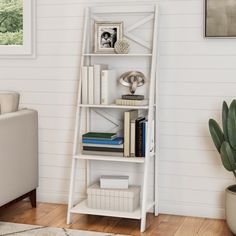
<point>150,14</point>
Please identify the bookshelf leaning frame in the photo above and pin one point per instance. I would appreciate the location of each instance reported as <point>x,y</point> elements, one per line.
<point>151,108</point>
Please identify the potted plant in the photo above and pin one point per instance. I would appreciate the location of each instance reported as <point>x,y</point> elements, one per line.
<point>225,142</point>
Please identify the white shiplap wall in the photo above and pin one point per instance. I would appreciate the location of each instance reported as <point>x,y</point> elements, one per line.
<point>196,74</point>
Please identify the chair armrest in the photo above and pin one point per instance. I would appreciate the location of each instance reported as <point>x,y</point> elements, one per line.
<point>18,154</point>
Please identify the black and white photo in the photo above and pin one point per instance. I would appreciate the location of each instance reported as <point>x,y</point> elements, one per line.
<point>106,35</point>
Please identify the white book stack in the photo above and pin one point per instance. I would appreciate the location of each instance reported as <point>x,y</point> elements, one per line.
<point>114,182</point>
<point>98,84</point>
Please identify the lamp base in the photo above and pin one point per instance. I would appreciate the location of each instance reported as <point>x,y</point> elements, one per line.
<point>132,97</point>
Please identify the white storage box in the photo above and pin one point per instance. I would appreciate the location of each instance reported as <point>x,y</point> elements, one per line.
<point>114,182</point>
<point>114,199</point>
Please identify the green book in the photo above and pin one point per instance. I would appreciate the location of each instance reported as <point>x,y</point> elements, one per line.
<point>96,135</point>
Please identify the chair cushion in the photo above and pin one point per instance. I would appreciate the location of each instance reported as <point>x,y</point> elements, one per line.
<point>9,101</point>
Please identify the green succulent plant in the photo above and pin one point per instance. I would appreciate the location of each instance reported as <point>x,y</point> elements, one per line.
<point>225,138</point>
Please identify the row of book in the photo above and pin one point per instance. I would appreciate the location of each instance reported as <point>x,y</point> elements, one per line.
<point>98,85</point>
<point>134,134</point>
<point>109,144</point>
<point>102,144</point>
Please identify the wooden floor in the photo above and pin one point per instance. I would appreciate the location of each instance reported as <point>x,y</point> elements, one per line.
<point>164,225</point>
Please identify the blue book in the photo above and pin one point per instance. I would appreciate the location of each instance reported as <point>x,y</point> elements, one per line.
<point>115,141</point>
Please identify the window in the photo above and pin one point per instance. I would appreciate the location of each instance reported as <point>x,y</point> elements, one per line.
<point>17,26</point>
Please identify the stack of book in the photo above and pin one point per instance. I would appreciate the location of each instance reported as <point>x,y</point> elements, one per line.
<point>134,134</point>
<point>98,85</point>
<point>102,144</point>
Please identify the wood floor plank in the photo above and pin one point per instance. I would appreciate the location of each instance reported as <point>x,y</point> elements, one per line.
<point>167,225</point>
<point>214,228</point>
<point>190,226</point>
<point>54,215</point>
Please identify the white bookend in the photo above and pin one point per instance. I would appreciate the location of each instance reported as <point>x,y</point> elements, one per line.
<point>128,116</point>
<point>108,87</point>
<point>114,182</point>
<point>97,82</point>
<point>90,85</point>
<point>84,81</point>
<point>132,138</point>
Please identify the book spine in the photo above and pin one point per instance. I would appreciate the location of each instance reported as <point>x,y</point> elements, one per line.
<point>127,134</point>
<point>139,140</point>
<point>138,137</point>
<point>91,85</point>
<point>125,102</point>
<point>96,141</point>
<point>104,87</point>
<point>103,149</point>
<point>97,84</point>
<point>98,153</point>
<point>132,138</point>
<point>144,124</point>
<point>84,81</point>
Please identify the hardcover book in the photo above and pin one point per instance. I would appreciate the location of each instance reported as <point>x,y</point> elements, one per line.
<point>128,116</point>
<point>90,85</point>
<point>98,153</point>
<point>96,135</point>
<point>84,82</point>
<point>139,136</point>
<point>126,102</point>
<point>103,149</point>
<point>97,73</point>
<point>104,141</point>
<point>108,87</point>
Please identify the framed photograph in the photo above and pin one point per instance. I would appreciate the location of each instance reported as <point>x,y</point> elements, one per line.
<point>220,18</point>
<point>17,28</point>
<point>105,36</point>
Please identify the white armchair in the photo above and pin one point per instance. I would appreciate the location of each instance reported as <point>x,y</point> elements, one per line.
<point>18,156</point>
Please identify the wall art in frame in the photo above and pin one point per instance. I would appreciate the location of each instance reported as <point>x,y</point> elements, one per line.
<point>17,28</point>
<point>106,34</point>
<point>220,18</point>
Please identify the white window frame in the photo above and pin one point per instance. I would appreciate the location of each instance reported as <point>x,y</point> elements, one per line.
<point>28,47</point>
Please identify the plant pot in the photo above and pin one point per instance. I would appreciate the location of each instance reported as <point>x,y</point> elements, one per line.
<point>230,207</point>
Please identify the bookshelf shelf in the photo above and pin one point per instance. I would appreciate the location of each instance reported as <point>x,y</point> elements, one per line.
<point>111,158</point>
<point>113,106</point>
<point>91,90</point>
<point>117,55</point>
<point>82,208</point>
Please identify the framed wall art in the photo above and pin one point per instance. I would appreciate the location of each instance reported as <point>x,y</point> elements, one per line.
<point>220,18</point>
<point>105,36</point>
<point>17,28</point>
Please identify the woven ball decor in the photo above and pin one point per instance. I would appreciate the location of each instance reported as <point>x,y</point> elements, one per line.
<point>122,46</point>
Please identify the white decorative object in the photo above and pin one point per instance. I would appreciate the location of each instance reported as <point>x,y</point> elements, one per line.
<point>122,46</point>
<point>126,200</point>
<point>114,182</point>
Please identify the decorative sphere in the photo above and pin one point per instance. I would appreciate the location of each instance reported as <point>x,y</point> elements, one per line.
<point>122,46</point>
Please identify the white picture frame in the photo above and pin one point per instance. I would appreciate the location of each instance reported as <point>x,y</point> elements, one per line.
<point>28,49</point>
<point>112,30</point>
